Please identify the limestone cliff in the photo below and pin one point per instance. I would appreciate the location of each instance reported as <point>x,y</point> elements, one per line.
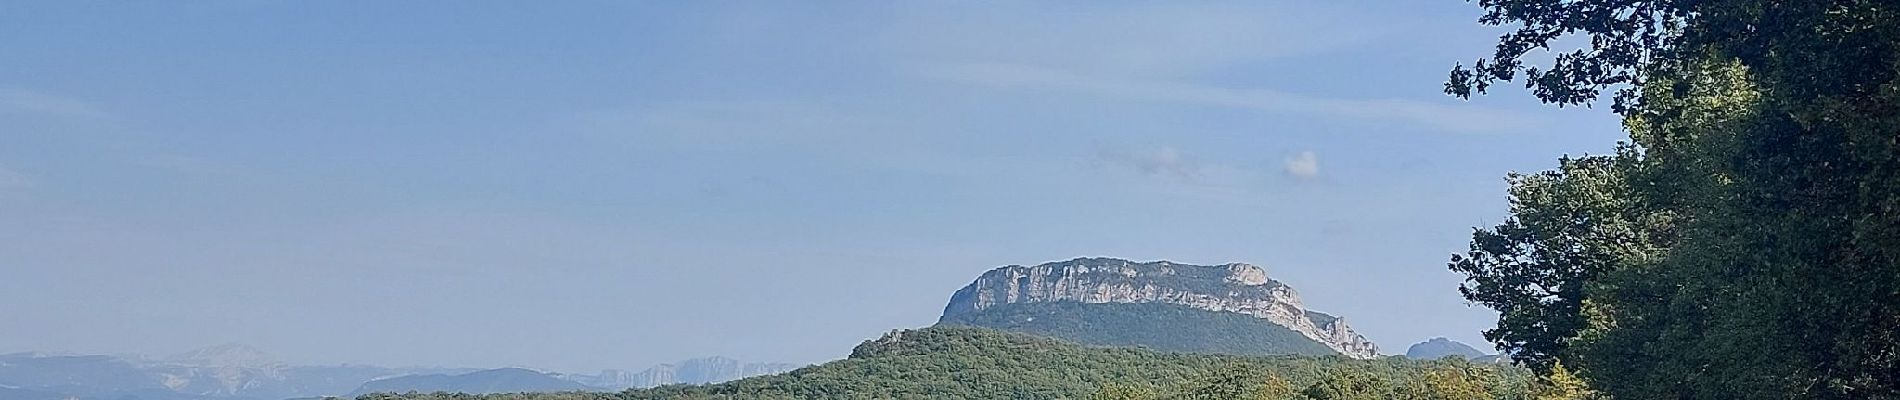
<point>1236,288</point>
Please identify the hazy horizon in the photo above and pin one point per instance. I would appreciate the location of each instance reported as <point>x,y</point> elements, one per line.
<point>599,185</point>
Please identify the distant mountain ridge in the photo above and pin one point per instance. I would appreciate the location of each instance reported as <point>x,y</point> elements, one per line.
<point>219,372</point>
<point>500,380</point>
<point>237,372</point>
<point>1439,347</point>
<point>1229,288</point>
<point>694,371</point>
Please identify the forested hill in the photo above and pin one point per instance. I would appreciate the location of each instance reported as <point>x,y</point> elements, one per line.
<point>1164,327</point>
<point>974,363</point>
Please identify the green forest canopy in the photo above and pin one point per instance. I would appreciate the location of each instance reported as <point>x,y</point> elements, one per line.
<point>1745,242</point>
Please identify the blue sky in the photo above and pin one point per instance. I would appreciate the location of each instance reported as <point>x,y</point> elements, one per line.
<point>586,185</point>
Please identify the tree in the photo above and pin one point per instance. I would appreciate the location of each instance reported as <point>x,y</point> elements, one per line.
<point>1276,388</point>
<point>1567,227</point>
<point>1227,383</point>
<point>1348,384</point>
<point>1765,140</point>
<point>1805,49</point>
<point>1119,391</point>
<point>1456,381</point>
<point>1562,385</point>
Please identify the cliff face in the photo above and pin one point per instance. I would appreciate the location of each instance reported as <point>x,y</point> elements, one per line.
<point>1236,288</point>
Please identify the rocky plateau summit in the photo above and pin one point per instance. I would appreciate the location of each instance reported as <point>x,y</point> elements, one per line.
<point>1234,288</point>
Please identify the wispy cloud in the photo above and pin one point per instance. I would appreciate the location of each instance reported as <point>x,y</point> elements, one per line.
<point>1177,173</point>
<point>1164,162</point>
<point>1304,165</point>
<point>1453,118</point>
<point>1127,39</point>
<point>10,179</point>
<point>1184,172</point>
<point>27,101</point>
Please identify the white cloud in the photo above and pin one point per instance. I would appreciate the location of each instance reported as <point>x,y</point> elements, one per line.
<point>1303,166</point>
<point>26,101</point>
<point>1454,118</point>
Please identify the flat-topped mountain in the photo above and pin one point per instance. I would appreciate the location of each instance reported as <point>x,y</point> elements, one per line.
<point>1210,292</point>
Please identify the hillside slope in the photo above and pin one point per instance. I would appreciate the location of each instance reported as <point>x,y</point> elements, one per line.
<point>1164,327</point>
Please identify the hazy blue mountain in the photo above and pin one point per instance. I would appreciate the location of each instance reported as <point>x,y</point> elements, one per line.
<point>501,380</point>
<point>694,371</point>
<point>13,393</point>
<point>84,376</point>
<point>220,372</point>
<point>1437,348</point>
<point>237,372</point>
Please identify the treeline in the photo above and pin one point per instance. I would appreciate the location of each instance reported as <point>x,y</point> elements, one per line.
<point>1448,379</point>
<point>1745,242</point>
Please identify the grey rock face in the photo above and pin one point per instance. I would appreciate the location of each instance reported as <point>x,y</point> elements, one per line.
<point>1238,288</point>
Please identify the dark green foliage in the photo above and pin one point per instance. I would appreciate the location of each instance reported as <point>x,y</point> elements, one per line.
<point>1165,327</point>
<point>1388,379</point>
<point>961,362</point>
<point>1746,245</point>
<point>1568,227</point>
<point>1349,385</point>
<point>1801,49</point>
